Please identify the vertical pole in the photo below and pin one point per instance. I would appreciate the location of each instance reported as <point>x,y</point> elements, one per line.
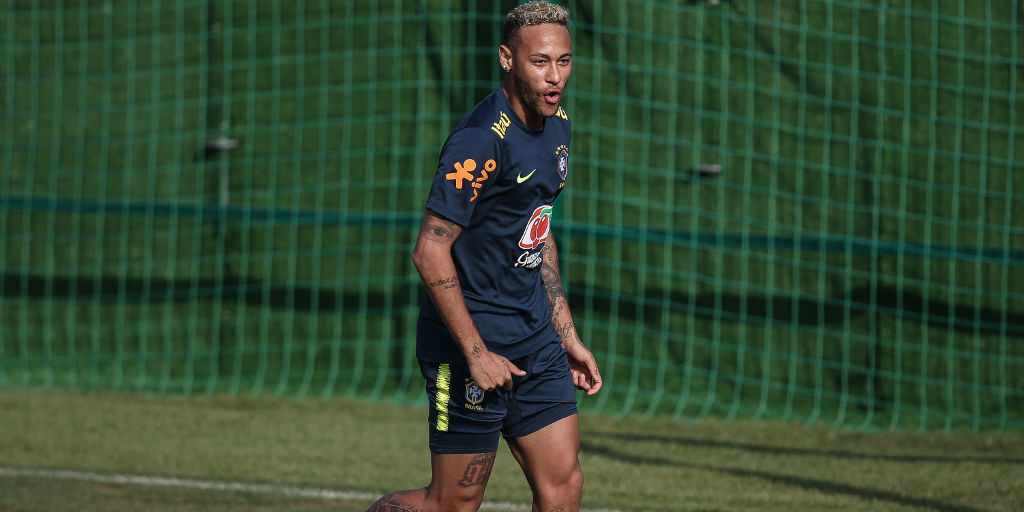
<point>218,168</point>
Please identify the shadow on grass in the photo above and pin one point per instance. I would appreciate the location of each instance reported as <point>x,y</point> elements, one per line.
<point>819,485</point>
<point>797,481</point>
<point>783,450</point>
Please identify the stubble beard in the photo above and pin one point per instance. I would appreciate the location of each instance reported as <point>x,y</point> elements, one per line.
<point>532,101</point>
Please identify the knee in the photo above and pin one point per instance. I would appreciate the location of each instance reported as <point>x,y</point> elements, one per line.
<point>570,478</point>
<point>572,487</point>
<point>574,480</point>
<point>458,499</point>
<point>564,492</point>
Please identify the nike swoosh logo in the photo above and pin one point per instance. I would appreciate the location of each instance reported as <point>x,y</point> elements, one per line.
<point>520,178</point>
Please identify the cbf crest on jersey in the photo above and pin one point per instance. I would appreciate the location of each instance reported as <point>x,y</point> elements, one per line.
<point>562,153</point>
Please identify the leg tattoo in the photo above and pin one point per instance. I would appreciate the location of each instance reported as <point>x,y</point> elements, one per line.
<point>478,470</point>
<point>391,503</point>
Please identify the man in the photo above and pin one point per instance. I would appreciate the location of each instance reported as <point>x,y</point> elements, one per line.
<point>495,339</point>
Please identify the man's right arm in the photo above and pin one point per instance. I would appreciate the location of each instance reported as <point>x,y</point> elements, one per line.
<point>433,259</point>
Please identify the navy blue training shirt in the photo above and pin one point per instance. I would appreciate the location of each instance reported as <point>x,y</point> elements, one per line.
<point>498,179</point>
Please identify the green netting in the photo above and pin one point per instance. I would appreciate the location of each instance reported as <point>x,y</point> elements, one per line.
<point>221,197</point>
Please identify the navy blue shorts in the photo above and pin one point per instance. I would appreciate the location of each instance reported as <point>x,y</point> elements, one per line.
<point>465,419</point>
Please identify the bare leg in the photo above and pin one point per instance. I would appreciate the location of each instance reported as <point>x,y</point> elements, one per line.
<point>550,459</point>
<point>400,501</point>
<point>457,483</point>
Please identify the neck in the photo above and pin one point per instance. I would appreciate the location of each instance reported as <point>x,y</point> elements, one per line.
<point>530,119</point>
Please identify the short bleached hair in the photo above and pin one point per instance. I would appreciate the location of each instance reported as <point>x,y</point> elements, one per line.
<point>528,14</point>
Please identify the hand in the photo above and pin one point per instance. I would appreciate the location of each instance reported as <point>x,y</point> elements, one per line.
<point>585,374</point>
<point>491,371</point>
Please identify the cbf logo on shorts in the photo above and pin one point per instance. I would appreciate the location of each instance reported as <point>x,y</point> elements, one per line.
<point>474,395</point>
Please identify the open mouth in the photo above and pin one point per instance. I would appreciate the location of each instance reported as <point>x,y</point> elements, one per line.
<point>553,97</point>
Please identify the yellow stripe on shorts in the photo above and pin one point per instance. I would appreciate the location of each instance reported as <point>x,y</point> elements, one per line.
<point>444,380</point>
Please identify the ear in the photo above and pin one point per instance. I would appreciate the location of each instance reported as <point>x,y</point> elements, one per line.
<point>505,57</point>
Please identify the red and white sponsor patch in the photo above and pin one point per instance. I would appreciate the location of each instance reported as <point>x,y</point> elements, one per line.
<point>537,229</point>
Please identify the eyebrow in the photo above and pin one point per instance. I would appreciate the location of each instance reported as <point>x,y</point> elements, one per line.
<point>546,56</point>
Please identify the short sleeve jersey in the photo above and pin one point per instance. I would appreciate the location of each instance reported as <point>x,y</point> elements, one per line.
<point>498,179</point>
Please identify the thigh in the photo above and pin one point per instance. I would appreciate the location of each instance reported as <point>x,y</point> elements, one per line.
<point>543,396</point>
<point>463,470</point>
<point>465,425</point>
<point>550,456</point>
<point>458,480</point>
<point>457,484</point>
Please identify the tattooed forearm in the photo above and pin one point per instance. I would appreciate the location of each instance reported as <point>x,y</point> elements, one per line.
<point>446,283</point>
<point>555,293</point>
<point>478,470</point>
<point>566,331</point>
<point>558,307</point>
<point>552,278</point>
<point>552,286</point>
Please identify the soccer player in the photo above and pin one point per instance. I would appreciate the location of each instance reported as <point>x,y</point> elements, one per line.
<point>495,339</point>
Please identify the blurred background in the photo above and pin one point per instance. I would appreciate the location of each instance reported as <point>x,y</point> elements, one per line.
<point>793,209</point>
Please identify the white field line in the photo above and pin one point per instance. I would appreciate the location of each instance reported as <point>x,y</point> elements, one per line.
<point>210,485</point>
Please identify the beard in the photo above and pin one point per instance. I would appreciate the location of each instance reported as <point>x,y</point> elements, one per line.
<point>533,101</point>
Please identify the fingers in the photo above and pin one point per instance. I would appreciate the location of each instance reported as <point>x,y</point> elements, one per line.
<point>585,383</point>
<point>595,379</point>
<point>498,372</point>
<point>514,369</point>
<point>579,379</point>
<point>586,376</point>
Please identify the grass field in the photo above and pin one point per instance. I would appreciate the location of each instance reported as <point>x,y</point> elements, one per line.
<point>257,453</point>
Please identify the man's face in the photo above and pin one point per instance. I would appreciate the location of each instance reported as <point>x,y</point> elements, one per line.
<point>540,67</point>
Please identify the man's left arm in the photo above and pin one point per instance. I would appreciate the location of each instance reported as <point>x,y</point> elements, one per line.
<point>585,374</point>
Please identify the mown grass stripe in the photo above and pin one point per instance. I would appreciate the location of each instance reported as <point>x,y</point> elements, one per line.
<point>213,485</point>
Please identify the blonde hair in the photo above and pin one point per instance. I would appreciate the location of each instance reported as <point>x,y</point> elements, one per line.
<point>531,13</point>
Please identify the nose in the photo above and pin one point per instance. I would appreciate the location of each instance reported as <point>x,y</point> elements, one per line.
<point>554,75</point>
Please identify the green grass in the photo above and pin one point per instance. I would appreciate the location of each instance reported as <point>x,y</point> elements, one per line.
<point>630,464</point>
<point>56,495</point>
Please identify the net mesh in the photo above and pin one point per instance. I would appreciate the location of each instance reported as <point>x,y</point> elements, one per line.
<point>789,209</point>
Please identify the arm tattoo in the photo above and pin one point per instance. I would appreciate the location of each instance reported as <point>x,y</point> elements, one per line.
<point>556,298</point>
<point>437,231</point>
<point>478,470</point>
<point>439,228</point>
<point>552,279</point>
<point>566,330</point>
<point>446,283</point>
